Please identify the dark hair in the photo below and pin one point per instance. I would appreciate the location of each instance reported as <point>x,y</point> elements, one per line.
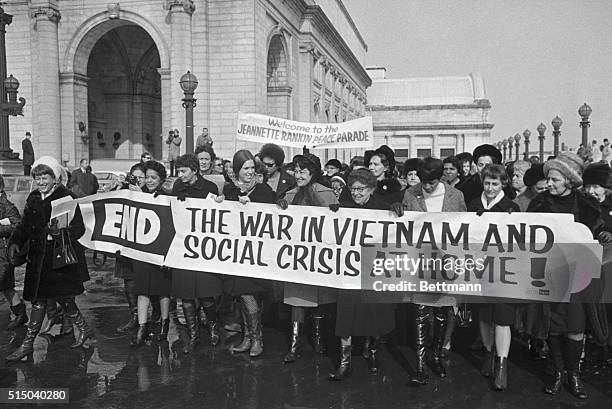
<point>145,153</point>
<point>410,165</point>
<point>453,160</point>
<point>465,157</point>
<point>156,167</point>
<point>206,148</point>
<point>188,160</point>
<point>272,150</point>
<point>357,161</point>
<point>27,133</point>
<point>83,160</point>
<point>430,169</point>
<point>363,176</point>
<point>388,162</point>
<point>495,171</point>
<point>42,169</point>
<point>305,163</point>
<point>335,163</point>
<point>240,157</point>
<point>137,166</point>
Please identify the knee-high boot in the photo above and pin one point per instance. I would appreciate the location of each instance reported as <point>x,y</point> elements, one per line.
<point>257,343</point>
<point>373,344</point>
<point>71,310</point>
<point>132,300</point>
<point>27,346</point>
<point>420,335</point>
<point>440,321</point>
<point>210,310</point>
<point>54,316</point>
<point>318,321</point>
<point>21,317</point>
<point>245,345</point>
<point>295,347</point>
<point>345,368</point>
<point>573,352</point>
<point>556,349</point>
<point>189,309</point>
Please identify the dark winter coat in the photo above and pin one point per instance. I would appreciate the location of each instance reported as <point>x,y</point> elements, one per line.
<point>83,183</point>
<point>189,284</point>
<point>286,182</point>
<point>10,212</point>
<point>389,191</point>
<point>28,152</point>
<point>586,210</point>
<point>41,280</point>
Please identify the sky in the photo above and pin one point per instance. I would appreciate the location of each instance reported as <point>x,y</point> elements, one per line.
<point>538,58</point>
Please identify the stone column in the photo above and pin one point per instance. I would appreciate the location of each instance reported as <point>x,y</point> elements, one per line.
<point>179,18</point>
<point>458,143</point>
<point>435,148</point>
<point>45,81</point>
<point>73,88</point>
<point>412,146</point>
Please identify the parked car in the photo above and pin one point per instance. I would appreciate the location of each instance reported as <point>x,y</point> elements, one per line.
<point>107,178</point>
<point>17,188</point>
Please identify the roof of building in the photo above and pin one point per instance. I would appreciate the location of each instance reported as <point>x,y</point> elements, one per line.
<point>457,90</point>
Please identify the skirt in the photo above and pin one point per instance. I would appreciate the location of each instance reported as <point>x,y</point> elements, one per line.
<point>234,285</point>
<point>499,313</point>
<point>191,285</point>
<point>356,318</point>
<point>567,317</point>
<point>124,268</point>
<point>150,279</point>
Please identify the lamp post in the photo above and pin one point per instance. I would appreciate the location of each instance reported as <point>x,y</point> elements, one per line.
<point>189,83</point>
<point>526,135</point>
<point>504,144</point>
<point>541,129</point>
<point>517,144</point>
<point>585,111</point>
<point>8,87</point>
<point>556,123</point>
<point>510,144</point>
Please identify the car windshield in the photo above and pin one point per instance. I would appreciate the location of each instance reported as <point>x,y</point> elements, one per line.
<point>24,185</point>
<point>9,184</point>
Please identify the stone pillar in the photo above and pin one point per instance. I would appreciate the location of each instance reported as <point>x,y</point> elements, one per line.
<point>435,149</point>
<point>412,146</point>
<point>73,89</point>
<point>47,121</point>
<point>167,106</point>
<point>179,18</point>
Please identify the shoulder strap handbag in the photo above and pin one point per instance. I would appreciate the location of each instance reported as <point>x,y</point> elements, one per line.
<point>63,252</point>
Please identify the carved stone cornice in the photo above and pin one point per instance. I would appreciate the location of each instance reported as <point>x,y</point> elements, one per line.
<point>46,12</point>
<point>175,5</point>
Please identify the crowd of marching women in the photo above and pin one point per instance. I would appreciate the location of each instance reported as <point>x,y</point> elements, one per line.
<point>468,182</point>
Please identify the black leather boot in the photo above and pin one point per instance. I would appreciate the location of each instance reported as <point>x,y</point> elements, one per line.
<point>488,363</point>
<point>54,317</point>
<point>317,336</point>
<point>84,331</point>
<point>438,341</point>
<point>141,336</point>
<point>210,311</point>
<point>295,347</point>
<point>20,316</point>
<point>556,349</point>
<point>257,331</point>
<point>174,313</point>
<point>37,315</point>
<point>420,335</point>
<point>67,327</point>
<point>373,345</point>
<point>573,352</point>
<point>189,309</point>
<point>500,378</point>
<point>345,368</point>
<point>132,299</point>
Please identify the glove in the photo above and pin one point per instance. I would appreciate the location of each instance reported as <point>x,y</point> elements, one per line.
<point>605,237</point>
<point>181,197</point>
<point>156,193</point>
<point>13,250</point>
<point>510,210</point>
<point>480,212</point>
<point>219,199</point>
<point>334,207</point>
<point>244,199</point>
<point>118,253</point>
<point>282,203</point>
<point>398,209</point>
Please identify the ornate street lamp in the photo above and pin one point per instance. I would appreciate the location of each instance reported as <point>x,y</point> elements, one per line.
<point>556,123</point>
<point>517,144</point>
<point>189,83</point>
<point>526,135</point>
<point>504,144</point>
<point>585,111</point>
<point>510,143</point>
<point>541,129</point>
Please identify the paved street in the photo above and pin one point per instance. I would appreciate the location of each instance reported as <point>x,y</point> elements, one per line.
<point>110,374</point>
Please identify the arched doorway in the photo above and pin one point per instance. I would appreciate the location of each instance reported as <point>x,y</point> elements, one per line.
<point>124,95</point>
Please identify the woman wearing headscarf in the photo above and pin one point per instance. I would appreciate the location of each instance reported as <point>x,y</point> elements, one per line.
<point>244,188</point>
<point>300,296</point>
<point>355,317</point>
<point>42,281</point>
<point>381,162</point>
<point>567,322</point>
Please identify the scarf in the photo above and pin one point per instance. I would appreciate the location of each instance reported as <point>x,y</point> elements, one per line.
<point>245,188</point>
<point>498,198</point>
<point>307,196</point>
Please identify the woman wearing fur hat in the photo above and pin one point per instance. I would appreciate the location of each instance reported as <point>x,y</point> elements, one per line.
<point>307,193</point>
<point>381,163</point>
<point>566,322</point>
<point>42,281</point>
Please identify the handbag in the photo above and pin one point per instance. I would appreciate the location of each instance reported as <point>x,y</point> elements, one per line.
<point>464,316</point>
<point>63,252</point>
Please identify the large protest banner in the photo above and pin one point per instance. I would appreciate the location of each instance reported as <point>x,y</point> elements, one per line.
<point>524,256</point>
<point>357,133</point>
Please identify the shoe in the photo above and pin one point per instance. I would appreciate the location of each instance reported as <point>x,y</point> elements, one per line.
<point>163,330</point>
<point>26,349</point>
<point>487,364</point>
<point>189,309</point>
<point>420,377</point>
<point>345,368</point>
<point>257,337</point>
<point>576,387</point>
<point>317,337</point>
<point>84,331</point>
<point>372,360</point>
<point>500,377</point>
<point>141,336</point>
<point>554,386</point>
<point>54,317</point>
<point>295,348</point>
<point>21,317</point>
<point>213,330</point>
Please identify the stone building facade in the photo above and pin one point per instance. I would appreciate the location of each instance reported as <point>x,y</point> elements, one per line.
<point>436,116</point>
<point>101,80</point>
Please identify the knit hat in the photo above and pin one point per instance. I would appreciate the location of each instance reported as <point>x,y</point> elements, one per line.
<point>58,171</point>
<point>337,178</point>
<point>597,174</point>
<point>335,163</point>
<point>534,174</point>
<point>568,164</point>
<point>487,150</point>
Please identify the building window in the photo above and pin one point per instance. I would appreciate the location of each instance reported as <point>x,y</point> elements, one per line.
<point>446,152</point>
<point>401,153</point>
<point>423,153</point>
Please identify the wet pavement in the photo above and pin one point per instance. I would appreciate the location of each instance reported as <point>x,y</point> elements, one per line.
<point>111,374</point>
